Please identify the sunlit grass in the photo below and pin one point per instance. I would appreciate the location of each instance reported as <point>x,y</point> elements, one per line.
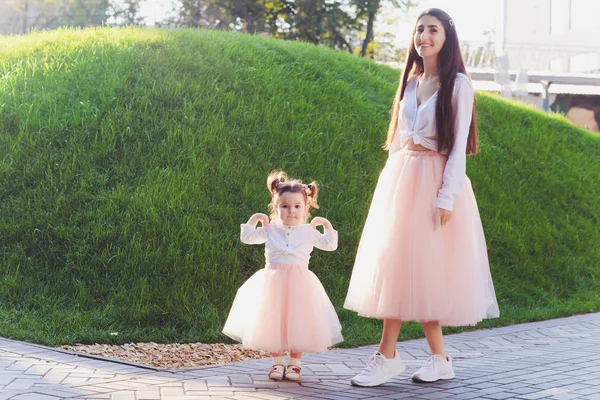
<point>129,157</point>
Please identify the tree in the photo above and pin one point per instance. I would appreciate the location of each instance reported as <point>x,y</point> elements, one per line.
<point>334,23</point>
<point>245,15</point>
<point>124,12</point>
<point>320,22</point>
<point>315,21</point>
<point>50,14</point>
<point>366,10</point>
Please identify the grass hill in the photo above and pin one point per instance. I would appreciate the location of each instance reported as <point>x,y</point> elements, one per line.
<point>129,157</point>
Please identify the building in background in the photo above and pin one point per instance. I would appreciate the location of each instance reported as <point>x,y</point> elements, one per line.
<point>547,54</point>
<point>560,36</point>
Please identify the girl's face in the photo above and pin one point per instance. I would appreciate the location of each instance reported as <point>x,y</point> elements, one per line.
<point>292,208</point>
<point>429,36</point>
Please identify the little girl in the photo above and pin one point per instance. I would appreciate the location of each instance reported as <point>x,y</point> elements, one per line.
<point>284,305</point>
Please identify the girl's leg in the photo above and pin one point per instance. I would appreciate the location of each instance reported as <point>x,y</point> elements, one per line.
<point>389,337</point>
<point>294,368</point>
<point>435,338</point>
<point>277,370</point>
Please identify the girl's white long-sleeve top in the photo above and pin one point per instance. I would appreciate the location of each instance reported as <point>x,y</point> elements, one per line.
<point>419,124</point>
<point>289,244</point>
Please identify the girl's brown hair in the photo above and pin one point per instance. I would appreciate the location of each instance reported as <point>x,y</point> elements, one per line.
<point>278,183</point>
<point>450,62</point>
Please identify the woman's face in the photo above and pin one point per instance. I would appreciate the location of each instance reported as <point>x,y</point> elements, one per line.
<point>429,36</point>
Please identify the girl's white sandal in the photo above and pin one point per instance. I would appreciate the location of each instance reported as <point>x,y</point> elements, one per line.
<point>293,372</point>
<point>277,372</point>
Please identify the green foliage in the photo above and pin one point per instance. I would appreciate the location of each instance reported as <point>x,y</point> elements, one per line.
<point>50,14</point>
<point>129,157</point>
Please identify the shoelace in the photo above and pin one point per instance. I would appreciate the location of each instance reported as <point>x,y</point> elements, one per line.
<point>430,360</point>
<point>373,361</point>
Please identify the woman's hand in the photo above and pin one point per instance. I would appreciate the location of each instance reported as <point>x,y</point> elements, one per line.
<point>321,221</point>
<point>259,217</point>
<point>445,216</point>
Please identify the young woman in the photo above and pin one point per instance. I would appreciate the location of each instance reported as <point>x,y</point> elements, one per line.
<point>422,255</point>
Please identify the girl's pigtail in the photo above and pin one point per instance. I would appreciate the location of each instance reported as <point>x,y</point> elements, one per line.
<point>274,179</point>
<point>312,193</point>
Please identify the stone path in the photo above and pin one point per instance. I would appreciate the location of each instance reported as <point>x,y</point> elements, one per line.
<point>556,359</point>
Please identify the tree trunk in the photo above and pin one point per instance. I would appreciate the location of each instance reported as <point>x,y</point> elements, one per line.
<point>369,37</point>
<point>242,11</point>
<point>344,43</point>
<point>25,16</point>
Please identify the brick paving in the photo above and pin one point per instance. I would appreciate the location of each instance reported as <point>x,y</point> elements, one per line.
<point>557,359</point>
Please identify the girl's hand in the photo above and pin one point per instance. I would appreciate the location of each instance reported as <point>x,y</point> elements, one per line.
<point>445,216</point>
<point>259,217</point>
<point>321,221</point>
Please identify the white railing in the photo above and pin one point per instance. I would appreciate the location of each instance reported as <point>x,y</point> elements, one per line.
<point>535,57</point>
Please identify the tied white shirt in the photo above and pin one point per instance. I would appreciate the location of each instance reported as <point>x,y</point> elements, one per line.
<point>419,124</point>
<point>289,244</point>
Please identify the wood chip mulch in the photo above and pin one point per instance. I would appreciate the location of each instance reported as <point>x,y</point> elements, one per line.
<point>173,356</point>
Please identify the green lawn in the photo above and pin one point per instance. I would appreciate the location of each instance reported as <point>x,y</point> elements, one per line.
<point>129,157</point>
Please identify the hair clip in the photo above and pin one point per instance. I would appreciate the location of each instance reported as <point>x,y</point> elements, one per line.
<point>450,22</point>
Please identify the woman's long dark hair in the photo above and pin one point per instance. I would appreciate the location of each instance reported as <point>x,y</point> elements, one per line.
<point>450,62</point>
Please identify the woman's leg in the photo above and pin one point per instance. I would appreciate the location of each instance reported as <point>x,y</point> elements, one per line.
<point>438,365</point>
<point>389,337</point>
<point>385,363</point>
<point>435,338</point>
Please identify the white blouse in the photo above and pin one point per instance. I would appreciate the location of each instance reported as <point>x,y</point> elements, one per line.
<point>289,244</point>
<point>418,123</point>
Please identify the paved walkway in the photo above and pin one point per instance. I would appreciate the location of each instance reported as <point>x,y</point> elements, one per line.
<point>557,359</point>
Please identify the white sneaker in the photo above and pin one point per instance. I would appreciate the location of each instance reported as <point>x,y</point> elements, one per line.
<point>378,370</point>
<point>436,367</point>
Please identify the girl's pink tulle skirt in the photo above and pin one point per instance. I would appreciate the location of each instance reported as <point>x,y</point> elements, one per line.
<point>283,307</point>
<point>407,266</point>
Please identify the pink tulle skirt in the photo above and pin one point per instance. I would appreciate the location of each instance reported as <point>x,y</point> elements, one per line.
<point>283,307</point>
<point>407,266</point>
